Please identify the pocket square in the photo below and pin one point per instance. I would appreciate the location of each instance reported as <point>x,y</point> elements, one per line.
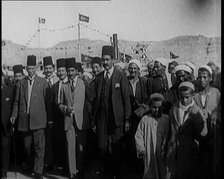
<point>7,99</point>
<point>117,85</point>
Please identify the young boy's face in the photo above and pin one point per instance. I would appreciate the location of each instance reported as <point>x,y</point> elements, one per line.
<point>186,98</point>
<point>204,78</point>
<point>156,108</point>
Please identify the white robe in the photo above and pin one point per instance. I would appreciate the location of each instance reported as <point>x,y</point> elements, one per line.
<point>146,139</point>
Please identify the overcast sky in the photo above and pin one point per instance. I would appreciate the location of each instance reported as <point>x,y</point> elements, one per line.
<point>137,20</point>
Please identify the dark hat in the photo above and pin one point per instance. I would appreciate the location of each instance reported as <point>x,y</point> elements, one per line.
<point>70,62</point>
<point>18,69</point>
<point>79,67</point>
<point>61,62</point>
<point>97,60</point>
<point>108,50</point>
<point>47,60</point>
<point>31,60</point>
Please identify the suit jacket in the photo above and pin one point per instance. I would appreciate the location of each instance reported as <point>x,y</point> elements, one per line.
<point>7,104</point>
<point>37,118</point>
<point>77,102</point>
<point>120,95</point>
<point>50,98</point>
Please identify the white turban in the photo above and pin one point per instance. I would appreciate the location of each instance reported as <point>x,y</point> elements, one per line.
<point>208,68</point>
<point>184,68</point>
<point>135,61</point>
<point>192,65</point>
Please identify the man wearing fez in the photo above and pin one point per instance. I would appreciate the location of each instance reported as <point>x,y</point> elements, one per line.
<point>31,109</point>
<point>59,138</point>
<point>18,72</point>
<point>72,105</point>
<point>18,76</point>
<point>111,110</point>
<point>51,79</point>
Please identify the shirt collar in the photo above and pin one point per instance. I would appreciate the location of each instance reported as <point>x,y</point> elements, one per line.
<point>64,80</point>
<point>49,78</point>
<point>185,108</point>
<point>110,71</point>
<point>31,79</point>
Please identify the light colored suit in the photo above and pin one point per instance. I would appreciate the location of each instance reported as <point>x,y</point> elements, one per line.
<point>32,123</point>
<point>74,123</point>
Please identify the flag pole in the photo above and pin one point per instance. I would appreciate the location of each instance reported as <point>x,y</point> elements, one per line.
<point>39,37</point>
<point>79,41</point>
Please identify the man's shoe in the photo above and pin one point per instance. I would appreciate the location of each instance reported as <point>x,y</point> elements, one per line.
<point>37,175</point>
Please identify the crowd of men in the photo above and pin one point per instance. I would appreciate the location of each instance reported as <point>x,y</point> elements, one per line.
<point>166,124</point>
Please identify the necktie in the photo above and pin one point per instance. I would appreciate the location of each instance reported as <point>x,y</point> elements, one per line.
<point>49,82</point>
<point>72,86</point>
<point>30,81</point>
<point>107,75</point>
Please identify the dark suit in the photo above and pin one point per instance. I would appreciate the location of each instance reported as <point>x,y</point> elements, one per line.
<point>59,139</point>
<point>7,102</point>
<point>33,122</point>
<point>111,107</point>
<point>49,150</point>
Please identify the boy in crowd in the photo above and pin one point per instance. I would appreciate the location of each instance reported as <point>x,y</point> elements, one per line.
<point>152,138</point>
<point>208,100</point>
<point>187,128</point>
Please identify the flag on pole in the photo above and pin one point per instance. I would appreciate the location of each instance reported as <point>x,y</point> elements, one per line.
<point>173,56</point>
<point>41,20</point>
<point>83,18</point>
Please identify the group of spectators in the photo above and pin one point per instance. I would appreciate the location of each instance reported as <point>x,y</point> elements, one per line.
<point>167,124</point>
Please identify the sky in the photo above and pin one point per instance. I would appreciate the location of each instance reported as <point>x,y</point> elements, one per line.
<point>134,20</point>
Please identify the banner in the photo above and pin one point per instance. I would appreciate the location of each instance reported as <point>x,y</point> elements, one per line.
<point>83,18</point>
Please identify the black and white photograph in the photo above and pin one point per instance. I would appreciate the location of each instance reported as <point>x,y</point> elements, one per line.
<point>111,89</point>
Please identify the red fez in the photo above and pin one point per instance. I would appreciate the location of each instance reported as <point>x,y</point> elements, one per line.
<point>70,62</point>
<point>18,69</point>
<point>79,67</point>
<point>48,61</point>
<point>61,62</point>
<point>108,50</point>
<point>31,60</point>
<point>97,60</point>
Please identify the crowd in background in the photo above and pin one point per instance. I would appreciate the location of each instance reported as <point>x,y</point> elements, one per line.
<point>166,124</point>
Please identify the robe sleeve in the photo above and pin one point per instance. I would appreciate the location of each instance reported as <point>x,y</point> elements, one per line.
<point>139,138</point>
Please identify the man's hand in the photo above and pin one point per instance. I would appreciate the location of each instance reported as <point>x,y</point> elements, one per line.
<point>141,154</point>
<point>12,120</point>
<point>93,126</point>
<point>127,126</point>
<point>69,110</point>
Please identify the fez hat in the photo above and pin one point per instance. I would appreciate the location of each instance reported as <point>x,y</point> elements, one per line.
<point>18,69</point>
<point>31,60</point>
<point>48,60</point>
<point>108,50</point>
<point>70,62</point>
<point>79,67</point>
<point>97,60</point>
<point>61,62</point>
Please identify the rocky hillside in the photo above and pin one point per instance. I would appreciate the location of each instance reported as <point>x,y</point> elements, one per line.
<point>199,49</point>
